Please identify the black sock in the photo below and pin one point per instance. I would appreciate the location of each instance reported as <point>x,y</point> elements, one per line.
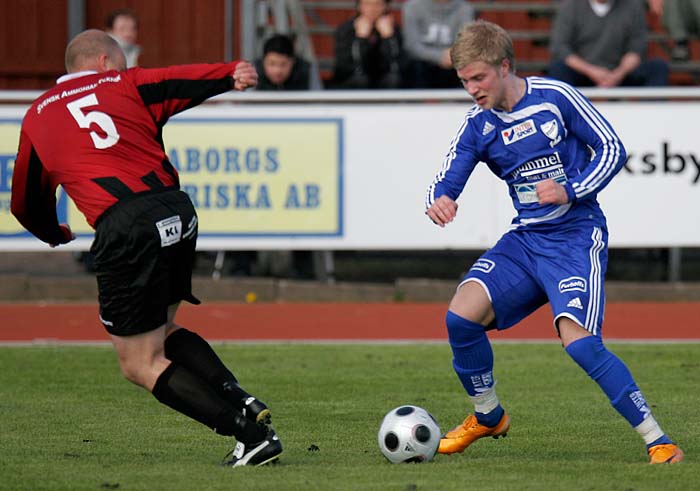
<point>184,392</point>
<point>190,350</point>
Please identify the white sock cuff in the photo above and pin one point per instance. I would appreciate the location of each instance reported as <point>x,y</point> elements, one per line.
<point>649,430</point>
<point>485,402</point>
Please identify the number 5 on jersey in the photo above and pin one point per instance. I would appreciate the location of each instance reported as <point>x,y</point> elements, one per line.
<point>101,119</point>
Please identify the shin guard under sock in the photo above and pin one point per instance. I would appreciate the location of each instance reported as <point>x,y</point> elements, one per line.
<point>473,363</point>
<point>184,392</point>
<point>472,353</point>
<point>193,352</point>
<point>613,376</point>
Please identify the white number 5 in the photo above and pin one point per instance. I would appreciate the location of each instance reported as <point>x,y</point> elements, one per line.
<point>101,119</point>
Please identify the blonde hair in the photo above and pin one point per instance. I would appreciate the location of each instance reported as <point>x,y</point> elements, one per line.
<point>482,41</point>
<point>84,49</point>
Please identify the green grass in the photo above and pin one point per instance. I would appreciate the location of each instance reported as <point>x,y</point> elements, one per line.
<point>69,421</point>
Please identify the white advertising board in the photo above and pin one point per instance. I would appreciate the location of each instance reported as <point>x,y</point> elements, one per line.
<point>335,176</point>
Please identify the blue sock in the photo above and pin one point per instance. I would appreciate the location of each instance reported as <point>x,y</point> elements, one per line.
<point>664,440</point>
<point>612,375</point>
<point>490,419</point>
<point>473,361</point>
<point>473,356</point>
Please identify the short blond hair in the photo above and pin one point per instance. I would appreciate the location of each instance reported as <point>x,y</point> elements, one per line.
<point>482,41</point>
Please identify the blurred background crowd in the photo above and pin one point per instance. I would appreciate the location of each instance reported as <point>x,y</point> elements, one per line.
<point>363,44</point>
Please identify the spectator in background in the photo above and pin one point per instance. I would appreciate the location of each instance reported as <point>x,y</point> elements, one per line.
<point>682,20</point>
<point>603,43</point>
<point>281,69</point>
<point>430,27</point>
<point>123,26</point>
<point>368,49</point>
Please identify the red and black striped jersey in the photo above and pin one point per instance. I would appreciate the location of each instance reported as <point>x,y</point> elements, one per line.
<point>99,135</point>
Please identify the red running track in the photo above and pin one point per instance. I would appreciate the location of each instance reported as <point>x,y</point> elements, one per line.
<point>339,322</point>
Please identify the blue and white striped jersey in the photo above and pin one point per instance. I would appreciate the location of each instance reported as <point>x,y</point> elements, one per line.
<point>553,132</point>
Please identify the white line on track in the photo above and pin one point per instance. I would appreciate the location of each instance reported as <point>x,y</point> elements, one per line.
<point>59,342</point>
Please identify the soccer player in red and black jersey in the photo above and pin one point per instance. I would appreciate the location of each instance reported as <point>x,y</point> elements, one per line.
<point>98,133</point>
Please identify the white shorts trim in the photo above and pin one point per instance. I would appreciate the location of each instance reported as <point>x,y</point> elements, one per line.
<point>568,316</point>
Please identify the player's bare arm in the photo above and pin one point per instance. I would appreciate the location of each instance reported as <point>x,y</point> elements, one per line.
<point>550,192</point>
<point>244,76</point>
<point>443,210</point>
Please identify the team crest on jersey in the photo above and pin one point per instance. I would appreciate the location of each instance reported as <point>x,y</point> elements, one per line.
<point>518,132</point>
<point>483,265</point>
<point>573,283</point>
<point>551,131</point>
<point>488,128</point>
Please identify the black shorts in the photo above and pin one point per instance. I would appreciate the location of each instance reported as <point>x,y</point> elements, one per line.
<point>144,251</point>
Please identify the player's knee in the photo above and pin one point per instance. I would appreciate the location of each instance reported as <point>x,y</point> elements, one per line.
<point>472,302</point>
<point>135,371</point>
<point>462,331</point>
<point>130,372</point>
<point>569,331</point>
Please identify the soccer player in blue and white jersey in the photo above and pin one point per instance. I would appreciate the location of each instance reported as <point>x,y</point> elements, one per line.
<point>556,153</point>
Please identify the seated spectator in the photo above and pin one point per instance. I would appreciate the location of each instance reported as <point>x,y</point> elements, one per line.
<point>682,20</point>
<point>430,27</point>
<point>281,69</point>
<point>123,26</point>
<point>368,49</point>
<point>603,43</point>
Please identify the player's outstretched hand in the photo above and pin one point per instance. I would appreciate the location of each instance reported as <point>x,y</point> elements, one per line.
<point>442,211</point>
<point>550,192</point>
<point>67,234</point>
<point>244,76</point>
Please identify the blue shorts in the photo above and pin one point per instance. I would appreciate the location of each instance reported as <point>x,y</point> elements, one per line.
<point>565,267</point>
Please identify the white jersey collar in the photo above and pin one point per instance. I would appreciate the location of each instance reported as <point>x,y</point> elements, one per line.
<point>71,76</point>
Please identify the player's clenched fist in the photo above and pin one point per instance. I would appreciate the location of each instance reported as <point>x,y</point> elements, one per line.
<point>244,76</point>
<point>442,211</point>
<point>551,192</point>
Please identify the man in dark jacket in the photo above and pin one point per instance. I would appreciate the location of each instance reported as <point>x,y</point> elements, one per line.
<point>368,49</point>
<point>281,69</point>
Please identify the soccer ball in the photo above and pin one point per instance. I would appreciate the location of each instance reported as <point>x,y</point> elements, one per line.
<point>408,434</point>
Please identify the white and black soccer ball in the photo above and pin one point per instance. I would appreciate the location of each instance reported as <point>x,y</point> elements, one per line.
<point>409,434</point>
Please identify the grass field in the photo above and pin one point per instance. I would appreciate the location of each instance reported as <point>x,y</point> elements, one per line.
<point>69,421</point>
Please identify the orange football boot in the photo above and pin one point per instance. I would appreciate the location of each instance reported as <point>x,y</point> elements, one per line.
<point>668,453</point>
<point>470,430</point>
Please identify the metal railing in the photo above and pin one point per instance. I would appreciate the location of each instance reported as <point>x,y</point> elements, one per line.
<point>401,95</point>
